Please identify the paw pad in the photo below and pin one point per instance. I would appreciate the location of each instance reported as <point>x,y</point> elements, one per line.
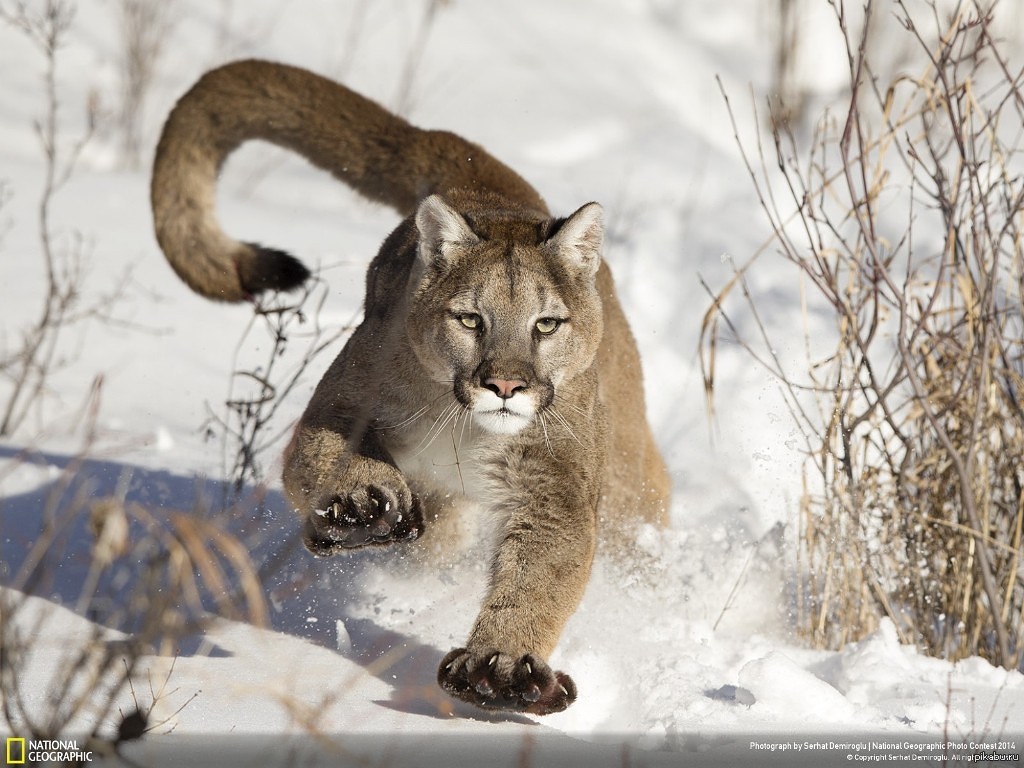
<point>496,680</point>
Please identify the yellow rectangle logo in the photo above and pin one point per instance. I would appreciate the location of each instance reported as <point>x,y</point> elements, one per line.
<point>15,751</point>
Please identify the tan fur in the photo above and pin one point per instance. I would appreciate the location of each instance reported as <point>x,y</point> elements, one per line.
<point>493,364</point>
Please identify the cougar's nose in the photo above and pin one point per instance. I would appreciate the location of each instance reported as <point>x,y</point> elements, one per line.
<point>504,388</point>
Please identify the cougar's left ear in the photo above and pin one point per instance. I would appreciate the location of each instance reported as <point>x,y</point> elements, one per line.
<point>580,237</point>
<point>440,228</point>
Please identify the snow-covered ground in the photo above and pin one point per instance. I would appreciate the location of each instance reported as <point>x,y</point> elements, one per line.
<point>687,658</point>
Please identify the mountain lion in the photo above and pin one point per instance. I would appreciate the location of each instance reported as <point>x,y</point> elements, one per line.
<point>493,372</point>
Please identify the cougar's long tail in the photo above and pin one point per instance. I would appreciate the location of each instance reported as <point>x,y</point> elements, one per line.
<point>377,153</point>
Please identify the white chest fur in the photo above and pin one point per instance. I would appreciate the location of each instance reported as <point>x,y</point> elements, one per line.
<point>451,470</point>
<point>442,457</point>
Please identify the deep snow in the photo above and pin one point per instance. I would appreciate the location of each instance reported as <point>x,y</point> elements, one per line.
<point>687,658</point>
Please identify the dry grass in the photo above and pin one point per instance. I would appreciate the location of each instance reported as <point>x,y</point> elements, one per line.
<point>145,579</point>
<point>153,577</point>
<point>903,219</point>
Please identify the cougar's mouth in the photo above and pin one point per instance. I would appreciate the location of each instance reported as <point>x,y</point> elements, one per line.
<point>503,416</point>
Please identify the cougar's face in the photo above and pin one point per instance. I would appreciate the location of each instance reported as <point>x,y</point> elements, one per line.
<point>506,324</point>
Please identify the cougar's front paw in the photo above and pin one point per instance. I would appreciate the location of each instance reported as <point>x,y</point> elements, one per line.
<point>496,680</point>
<point>373,515</point>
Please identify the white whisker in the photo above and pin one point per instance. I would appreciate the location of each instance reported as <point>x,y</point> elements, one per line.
<point>544,427</point>
<point>467,417</point>
<point>455,448</point>
<point>409,420</point>
<point>563,403</point>
<point>415,416</point>
<point>564,422</point>
<point>446,417</point>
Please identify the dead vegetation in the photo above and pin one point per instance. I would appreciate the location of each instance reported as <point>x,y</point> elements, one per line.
<point>35,354</point>
<point>289,327</point>
<point>147,581</point>
<point>902,220</point>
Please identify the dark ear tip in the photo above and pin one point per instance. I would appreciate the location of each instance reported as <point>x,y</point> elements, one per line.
<point>266,269</point>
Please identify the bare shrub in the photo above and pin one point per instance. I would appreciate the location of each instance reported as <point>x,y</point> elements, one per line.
<point>145,28</point>
<point>903,219</point>
<point>414,58</point>
<point>789,93</point>
<point>64,259</point>
<point>255,394</point>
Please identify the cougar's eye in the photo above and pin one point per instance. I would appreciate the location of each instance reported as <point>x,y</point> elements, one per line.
<point>471,321</point>
<point>547,325</point>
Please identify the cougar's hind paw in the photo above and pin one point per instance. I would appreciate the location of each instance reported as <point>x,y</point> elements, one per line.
<point>368,517</point>
<point>495,680</point>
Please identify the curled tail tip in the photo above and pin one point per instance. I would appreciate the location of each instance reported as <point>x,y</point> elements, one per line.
<point>269,269</point>
<point>233,274</point>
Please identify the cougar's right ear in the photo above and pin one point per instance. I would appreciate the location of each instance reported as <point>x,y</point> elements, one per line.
<point>440,228</point>
<point>579,238</point>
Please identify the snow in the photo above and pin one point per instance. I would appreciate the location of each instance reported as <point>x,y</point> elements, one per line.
<point>687,657</point>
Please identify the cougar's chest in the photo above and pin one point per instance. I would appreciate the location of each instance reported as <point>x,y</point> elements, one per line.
<point>440,453</point>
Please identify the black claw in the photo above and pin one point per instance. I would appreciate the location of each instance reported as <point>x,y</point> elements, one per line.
<point>370,516</point>
<point>496,681</point>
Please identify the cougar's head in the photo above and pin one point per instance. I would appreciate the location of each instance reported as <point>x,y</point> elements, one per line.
<point>505,308</point>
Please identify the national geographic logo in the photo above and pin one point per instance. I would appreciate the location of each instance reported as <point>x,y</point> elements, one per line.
<point>15,751</point>
<point>19,751</point>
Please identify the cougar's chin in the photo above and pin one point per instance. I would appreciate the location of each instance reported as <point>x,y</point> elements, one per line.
<point>503,417</point>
